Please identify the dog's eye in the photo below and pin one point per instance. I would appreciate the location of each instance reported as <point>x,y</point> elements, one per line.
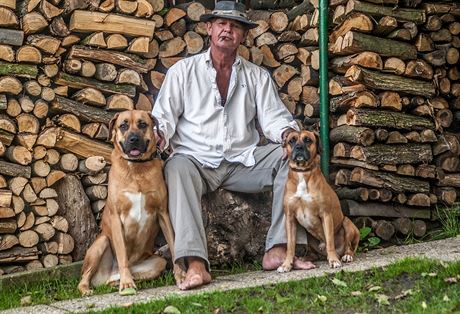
<point>124,126</point>
<point>292,141</point>
<point>142,125</point>
<point>307,140</point>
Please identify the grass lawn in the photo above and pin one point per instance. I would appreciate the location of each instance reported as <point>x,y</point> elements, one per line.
<point>409,286</point>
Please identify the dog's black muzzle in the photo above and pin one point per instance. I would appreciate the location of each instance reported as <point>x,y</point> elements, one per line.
<point>134,145</point>
<point>300,153</point>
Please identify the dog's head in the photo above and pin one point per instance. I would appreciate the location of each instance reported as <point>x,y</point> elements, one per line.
<point>131,133</point>
<point>302,148</point>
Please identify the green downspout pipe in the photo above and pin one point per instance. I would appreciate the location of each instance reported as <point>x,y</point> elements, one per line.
<point>324,87</point>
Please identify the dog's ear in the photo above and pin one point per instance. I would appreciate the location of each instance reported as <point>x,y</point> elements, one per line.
<point>318,142</point>
<point>111,126</point>
<point>157,126</point>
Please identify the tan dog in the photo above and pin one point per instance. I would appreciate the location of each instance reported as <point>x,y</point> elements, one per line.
<point>311,201</point>
<point>135,211</point>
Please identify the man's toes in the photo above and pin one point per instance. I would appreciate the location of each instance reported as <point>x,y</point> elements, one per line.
<point>304,265</point>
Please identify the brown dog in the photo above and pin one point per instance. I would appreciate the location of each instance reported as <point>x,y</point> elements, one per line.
<point>135,211</point>
<point>310,200</point>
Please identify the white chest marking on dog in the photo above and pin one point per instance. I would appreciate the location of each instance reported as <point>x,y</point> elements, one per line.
<point>302,190</point>
<point>137,211</point>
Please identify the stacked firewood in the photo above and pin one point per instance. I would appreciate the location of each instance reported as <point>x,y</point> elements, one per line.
<point>390,108</point>
<point>67,67</point>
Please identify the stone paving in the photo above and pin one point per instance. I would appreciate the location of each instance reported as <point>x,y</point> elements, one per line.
<point>445,250</point>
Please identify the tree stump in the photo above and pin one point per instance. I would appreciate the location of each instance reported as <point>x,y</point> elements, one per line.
<point>76,208</point>
<point>236,225</point>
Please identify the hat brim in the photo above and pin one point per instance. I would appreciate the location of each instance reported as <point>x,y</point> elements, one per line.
<point>248,24</point>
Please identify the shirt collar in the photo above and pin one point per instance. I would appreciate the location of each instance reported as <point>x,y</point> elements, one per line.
<point>207,56</point>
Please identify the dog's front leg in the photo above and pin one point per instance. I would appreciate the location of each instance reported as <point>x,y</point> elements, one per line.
<point>168,232</point>
<point>291,229</point>
<point>328,227</point>
<point>118,241</point>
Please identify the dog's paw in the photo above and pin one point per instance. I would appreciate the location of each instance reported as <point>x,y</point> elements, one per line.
<point>284,268</point>
<point>335,263</point>
<point>347,258</point>
<point>84,290</point>
<point>179,274</point>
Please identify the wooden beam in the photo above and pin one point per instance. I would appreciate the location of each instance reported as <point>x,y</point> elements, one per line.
<point>353,208</point>
<point>82,146</point>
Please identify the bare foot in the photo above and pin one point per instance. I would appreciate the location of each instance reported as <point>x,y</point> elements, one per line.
<point>274,257</point>
<point>196,276</point>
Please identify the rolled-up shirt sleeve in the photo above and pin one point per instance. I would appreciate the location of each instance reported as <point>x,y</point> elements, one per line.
<point>274,118</point>
<point>169,104</point>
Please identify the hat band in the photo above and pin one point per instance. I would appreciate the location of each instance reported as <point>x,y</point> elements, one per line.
<point>230,13</point>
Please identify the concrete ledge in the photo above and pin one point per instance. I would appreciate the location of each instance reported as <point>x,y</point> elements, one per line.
<point>445,250</point>
<point>69,271</point>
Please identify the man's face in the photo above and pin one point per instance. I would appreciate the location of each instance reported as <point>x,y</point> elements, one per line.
<point>226,34</point>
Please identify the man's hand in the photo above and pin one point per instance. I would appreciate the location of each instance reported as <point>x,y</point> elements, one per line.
<point>284,135</point>
<point>160,139</point>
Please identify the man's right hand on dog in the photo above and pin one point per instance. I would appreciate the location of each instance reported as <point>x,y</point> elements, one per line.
<point>160,139</point>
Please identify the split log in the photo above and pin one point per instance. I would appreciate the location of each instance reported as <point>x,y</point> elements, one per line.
<point>87,21</point>
<point>120,102</point>
<point>82,146</point>
<point>355,21</point>
<point>8,241</point>
<point>90,96</point>
<point>365,59</point>
<point>10,85</point>
<point>18,254</point>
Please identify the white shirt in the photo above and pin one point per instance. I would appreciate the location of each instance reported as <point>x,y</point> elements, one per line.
<point>194,122</point>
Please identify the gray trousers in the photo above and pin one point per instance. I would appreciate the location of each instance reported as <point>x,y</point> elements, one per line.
<point>188,180</point>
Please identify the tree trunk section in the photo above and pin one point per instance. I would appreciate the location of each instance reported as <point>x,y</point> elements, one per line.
<point>76,209</point>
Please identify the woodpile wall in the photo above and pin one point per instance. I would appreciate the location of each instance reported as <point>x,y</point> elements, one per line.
<point>66,67</point>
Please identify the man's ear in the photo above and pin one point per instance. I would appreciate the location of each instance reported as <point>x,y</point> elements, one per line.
<point>111,126</point>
